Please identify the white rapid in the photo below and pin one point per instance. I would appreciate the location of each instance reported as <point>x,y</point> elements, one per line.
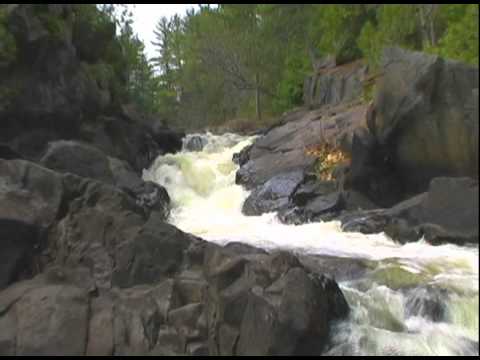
<point>207,203</point>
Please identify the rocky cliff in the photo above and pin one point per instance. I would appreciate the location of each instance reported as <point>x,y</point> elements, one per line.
<point>421,127</point>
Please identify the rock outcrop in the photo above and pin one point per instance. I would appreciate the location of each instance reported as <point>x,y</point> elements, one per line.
<point>64,95</point>
<point>86,270</point>
<point>332,85</point>
<point>419,135</point>
<point>283,148</point>
<point>79,159</point>
<point>426,116</point>
<point>446,213</point>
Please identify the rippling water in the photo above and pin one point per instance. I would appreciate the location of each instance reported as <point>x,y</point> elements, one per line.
<point>207,203</point>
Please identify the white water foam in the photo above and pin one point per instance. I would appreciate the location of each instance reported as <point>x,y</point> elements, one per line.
<point>207,203</point>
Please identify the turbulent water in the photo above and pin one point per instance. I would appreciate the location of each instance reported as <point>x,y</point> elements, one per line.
<point>207,203</point>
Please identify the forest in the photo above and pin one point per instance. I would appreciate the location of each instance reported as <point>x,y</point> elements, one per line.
<point>247,63</point>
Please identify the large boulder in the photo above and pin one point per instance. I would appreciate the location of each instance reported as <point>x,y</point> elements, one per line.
<point>447,212</point>
<point>122,138</point>
<point>426,114</point>
<point>30,199</point>
<point>269,307</point>
<point>77,158</point>
<point>274,195</point>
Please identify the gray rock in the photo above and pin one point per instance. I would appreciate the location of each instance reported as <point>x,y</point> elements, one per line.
<point>425,108</point>
<point>447,212</point>
<point>427,302</point>
<point>332,85</point>
<point>149,195</point>
<point>78,158</point>
<point>194,143</point>
<point>274,195</point>
<point>283,148</point>
<point>52,320</point>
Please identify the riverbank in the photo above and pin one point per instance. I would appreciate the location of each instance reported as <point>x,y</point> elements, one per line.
<point>198,254</point>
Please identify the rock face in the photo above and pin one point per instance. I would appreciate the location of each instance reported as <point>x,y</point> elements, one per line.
<point>447,212</point>
<point>86,270</point>
<point>426,113</point>
<point>333,85</point>
<point>422,125</point>
<point>282,149</point>
<point>77,158</point>
<point>58,97</point>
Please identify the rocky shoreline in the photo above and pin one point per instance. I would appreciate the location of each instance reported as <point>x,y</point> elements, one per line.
<point>88,263</point>
<point>90,266</point>
<point>413,155</point>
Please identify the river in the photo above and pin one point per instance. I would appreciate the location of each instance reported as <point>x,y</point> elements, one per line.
<point>207,202</point>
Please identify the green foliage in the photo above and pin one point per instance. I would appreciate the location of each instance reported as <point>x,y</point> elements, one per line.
<point>393,25</point>
<point>55,25</point>
<point>450,30</point>
<point>242,61</point>
<point>246,62</point>
<point>334,29</point>
<point>103,73</point>
<point>460,41</point>
<point>371,44</point>
<point>290,87</point>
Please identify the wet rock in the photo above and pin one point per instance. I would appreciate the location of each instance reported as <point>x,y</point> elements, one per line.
<point>243,156</point>
<point>427,302</point>
<point>324,204</point>
<point>273,195</point>
<point>168,140</point>
<point>149,195</point>
<point>195,143</point>
<point>310,189</point>
<point>339,268</point>
<point>446,213</point>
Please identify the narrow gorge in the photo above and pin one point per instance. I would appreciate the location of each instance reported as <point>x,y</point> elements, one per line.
<point>348,226</point>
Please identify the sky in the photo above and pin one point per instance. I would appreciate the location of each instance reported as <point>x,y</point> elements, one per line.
<point>146,16</point>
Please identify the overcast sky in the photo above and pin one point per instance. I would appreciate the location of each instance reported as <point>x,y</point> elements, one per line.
<point>146,16</point>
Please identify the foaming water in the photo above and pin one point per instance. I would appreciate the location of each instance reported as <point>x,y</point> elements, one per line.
<point>207,203</point>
